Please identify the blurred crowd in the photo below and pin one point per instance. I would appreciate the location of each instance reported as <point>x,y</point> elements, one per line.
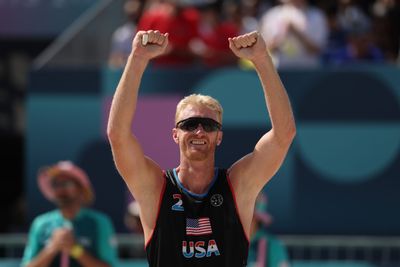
<point>299,33</point>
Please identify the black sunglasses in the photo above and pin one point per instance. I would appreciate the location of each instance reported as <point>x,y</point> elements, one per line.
<point>62,184</point>
<point>191,124</point>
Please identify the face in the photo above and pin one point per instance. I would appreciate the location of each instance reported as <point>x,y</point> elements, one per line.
<point>197,144</point>
<point>67,192</point>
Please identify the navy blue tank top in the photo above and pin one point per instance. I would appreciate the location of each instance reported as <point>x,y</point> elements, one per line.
<point>198,230</point>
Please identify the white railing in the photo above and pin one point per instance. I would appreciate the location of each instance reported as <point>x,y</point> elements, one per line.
<point>379,251</point>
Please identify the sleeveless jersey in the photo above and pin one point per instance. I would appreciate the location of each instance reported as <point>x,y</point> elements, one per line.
<point>198,230</point>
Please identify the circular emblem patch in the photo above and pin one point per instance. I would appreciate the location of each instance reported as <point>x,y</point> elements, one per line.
<point>216,200</point>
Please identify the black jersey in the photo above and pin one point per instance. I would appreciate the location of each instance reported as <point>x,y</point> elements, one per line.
<point>198,230</point>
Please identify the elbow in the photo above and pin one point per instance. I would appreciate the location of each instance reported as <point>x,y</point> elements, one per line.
<point>287,136</point>
<point>292,133</point>
<point>118,136</point>
<point>113,135</point>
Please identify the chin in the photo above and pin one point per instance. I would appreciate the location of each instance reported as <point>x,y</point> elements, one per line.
<point>197,156</point>
<point>64,202</point>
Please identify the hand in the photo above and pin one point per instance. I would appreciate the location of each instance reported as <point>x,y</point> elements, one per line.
<point>291,27</point>
<point>248,46</point>
<point>156,44</point>
<point>62,239</point>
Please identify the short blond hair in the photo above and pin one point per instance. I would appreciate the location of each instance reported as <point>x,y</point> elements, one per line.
<point>199,100</point>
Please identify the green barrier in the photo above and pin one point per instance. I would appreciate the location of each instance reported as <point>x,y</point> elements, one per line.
<point>10,263</point>
<point>143,263</point>
<point>330,264</point>
<point>123,263</point>
<point>133,263</point>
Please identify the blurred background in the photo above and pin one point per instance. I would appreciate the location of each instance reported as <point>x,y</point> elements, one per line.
<point>335,198</point>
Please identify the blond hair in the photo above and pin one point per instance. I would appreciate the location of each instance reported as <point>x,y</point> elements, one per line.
<point>199,100</point>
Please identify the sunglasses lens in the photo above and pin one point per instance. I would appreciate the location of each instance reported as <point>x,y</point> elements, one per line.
<point>191,124</point>
<point>63,184</point>
<point>209,126</point>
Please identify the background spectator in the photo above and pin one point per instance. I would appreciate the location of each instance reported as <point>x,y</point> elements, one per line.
<point>265,249</point>
<point>358,44</point>
<point>386,27</point>
<point>71,235</point>
<point>178,18</point>
<point>121,42</point>
<point>296,33</point>
<point>214,31</point>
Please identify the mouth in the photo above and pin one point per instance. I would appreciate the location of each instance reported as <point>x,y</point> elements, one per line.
<point>198,142</point>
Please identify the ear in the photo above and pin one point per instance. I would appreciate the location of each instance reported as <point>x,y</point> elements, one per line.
<point>219,137</point>
<point>175,135</point>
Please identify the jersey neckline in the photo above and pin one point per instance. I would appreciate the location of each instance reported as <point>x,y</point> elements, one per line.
<point>191,194</point>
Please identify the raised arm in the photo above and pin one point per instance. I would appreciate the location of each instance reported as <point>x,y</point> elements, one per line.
<point>141,174</point>
<point>252,172</point>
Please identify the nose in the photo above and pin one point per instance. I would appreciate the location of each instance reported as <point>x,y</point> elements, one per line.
<point>199,128</point>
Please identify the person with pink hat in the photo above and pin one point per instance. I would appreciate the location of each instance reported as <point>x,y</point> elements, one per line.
<point>71,235</point>
<point>265,249</point>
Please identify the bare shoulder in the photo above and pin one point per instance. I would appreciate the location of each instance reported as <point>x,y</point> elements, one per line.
<point>244,196</point>
<point>240,178</point>
<point>148,191</point>
<point>146,184</point>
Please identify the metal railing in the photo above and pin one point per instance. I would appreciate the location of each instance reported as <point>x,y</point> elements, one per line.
<point>379,251</point>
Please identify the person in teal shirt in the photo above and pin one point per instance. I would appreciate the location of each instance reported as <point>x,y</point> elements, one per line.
<point>266,250</point>
<point>72,235</point>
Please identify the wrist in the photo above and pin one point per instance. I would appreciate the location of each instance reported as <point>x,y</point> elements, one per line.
<point>52,248</point>
<point>137,59</point>
<point>76,251</point>
<point>265,60</point>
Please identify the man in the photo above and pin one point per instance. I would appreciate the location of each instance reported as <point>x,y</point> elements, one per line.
<point>196,214</point>
<point>70,235</point>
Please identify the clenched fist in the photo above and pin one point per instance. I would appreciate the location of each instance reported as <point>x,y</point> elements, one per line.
<point>62,239</point>
<point>248,46</point>
<point>149,44</point>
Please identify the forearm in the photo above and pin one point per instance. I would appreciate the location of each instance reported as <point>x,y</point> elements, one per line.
<point>125,98</point>
<point>145,46</point>
<point>276,99</point>
<point>44,258</point>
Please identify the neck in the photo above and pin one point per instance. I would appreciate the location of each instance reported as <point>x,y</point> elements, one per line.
<point>196,176</point>
<point>70,212</point>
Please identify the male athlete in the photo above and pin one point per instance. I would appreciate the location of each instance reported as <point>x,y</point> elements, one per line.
<point>197,214</point>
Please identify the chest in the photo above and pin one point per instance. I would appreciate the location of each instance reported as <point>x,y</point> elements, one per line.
<point>197,228</point>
